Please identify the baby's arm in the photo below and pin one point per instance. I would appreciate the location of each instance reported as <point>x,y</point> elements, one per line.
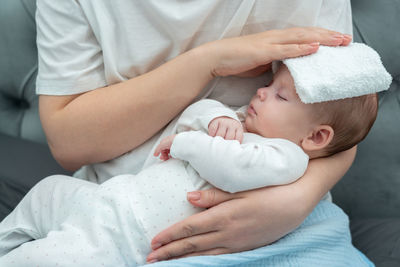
<point>234,167</point>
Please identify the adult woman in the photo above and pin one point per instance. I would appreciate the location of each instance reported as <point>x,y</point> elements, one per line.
<point>105,90</point>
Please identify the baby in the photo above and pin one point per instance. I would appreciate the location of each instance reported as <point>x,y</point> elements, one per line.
<point>64,221</point>
<point>320,129</point>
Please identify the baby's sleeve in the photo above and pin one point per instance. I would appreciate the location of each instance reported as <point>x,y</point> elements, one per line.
<point>198,115</point>
<point>70,59</point>
<point>234,167</point>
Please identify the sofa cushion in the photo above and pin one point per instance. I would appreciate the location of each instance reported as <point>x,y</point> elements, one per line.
<point>18,70</point>
<point>379,239</point>
<point>377,24</point>
<point>23,164</point>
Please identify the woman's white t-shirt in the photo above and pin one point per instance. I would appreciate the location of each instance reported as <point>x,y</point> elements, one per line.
<point>86,44</point>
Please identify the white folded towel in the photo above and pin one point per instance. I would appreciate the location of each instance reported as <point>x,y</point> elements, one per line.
<point>338,72</point>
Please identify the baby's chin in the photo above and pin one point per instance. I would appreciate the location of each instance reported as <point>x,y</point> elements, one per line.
<point>248,127</point>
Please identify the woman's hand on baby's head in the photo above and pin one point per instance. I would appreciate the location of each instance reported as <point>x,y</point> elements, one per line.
<point>227,128</point>
<point>164,147</point>
<point>250,55</point>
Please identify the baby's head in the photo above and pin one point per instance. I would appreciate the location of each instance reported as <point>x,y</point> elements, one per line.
<point>321,129</point>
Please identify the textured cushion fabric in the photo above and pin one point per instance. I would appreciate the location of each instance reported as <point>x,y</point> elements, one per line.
<point>370,188</point>
<point>23,164</point>
<point>379,239</point>
<point>377,24</point>
<point>18,69</point>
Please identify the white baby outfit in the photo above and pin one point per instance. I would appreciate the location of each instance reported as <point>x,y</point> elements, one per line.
<point>78,223</point>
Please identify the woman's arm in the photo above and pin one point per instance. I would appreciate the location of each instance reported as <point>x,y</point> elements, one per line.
<point>247,220</point>
<point>104,123</point>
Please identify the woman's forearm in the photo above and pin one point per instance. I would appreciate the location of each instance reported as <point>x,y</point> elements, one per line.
<point>322,174</point>
<point>104,123</point>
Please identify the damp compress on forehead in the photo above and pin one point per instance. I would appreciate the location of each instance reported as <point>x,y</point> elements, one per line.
<point>338,72</point>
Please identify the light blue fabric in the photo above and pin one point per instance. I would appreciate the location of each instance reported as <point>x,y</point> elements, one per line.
<point>323,239</point>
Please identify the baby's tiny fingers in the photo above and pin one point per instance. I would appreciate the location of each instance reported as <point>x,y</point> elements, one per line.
<point>230,134</point>
<point>221,131</point>
<point>212,128</point>
<point>239,135</point>
<point>157,151</point>
<point>165,155</point>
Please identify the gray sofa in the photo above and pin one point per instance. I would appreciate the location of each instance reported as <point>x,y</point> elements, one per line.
<point>369,193</point>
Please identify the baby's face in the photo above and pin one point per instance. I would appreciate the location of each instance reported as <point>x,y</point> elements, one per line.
<point>277,112</point>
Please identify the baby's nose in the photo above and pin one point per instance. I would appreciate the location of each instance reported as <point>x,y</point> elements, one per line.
<point>262,93</point>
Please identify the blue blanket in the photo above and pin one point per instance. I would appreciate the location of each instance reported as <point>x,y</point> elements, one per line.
<point>323,239</point>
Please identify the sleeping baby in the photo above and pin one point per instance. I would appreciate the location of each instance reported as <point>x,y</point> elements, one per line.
<point>65,221</point>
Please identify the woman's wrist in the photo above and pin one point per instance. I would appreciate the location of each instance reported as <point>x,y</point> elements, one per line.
<point>207,56</point>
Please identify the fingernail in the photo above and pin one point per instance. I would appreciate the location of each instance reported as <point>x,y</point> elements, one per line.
<point>348,36</point>
<point>314,44</point>
<point>155,246</point>
<point>193,196</point>
<point>338,36</point>
<point>152,261</point>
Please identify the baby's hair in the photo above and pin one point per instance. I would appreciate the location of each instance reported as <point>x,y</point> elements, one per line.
<point>351,119</point>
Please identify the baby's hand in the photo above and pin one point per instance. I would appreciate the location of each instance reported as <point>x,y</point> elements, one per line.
<point>227,128</point>
<point>164,147</point>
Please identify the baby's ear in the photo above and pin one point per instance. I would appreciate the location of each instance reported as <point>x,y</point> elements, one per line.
<point>318,138</point>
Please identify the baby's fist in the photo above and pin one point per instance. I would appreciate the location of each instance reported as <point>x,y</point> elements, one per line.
<point>227,128</point>
<point>164,147</point>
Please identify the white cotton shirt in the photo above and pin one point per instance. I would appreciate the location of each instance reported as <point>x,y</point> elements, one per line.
<point>87,44</point>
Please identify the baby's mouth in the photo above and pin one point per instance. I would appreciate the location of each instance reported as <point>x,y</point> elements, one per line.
<point>251,110</point>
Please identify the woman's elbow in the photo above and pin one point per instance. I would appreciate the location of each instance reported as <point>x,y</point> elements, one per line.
<point>68,160</point>
<point>55,120</point>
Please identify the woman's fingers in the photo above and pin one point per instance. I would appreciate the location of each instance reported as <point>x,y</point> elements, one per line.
<point>210,197</point>
<point>347,40</point>
<point>279,52</point>
<point>246,55</point>
<point>200,223</point>
<point>197,244</point>
<point>215,251</point>
<point>307,35</point>
<point>297,42</point>
<point>234,225</point>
